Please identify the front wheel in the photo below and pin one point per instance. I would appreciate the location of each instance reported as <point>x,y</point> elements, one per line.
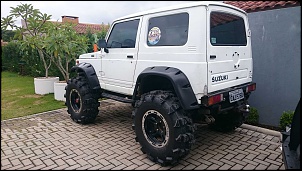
<point>81,102</point>
<point>162,127</point>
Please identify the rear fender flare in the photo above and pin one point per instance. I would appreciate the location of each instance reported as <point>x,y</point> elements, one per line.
<point>178,79</point>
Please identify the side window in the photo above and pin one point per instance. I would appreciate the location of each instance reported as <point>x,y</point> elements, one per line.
<point>123,35</point>
<point>227,29</point>
<point>169,30</point>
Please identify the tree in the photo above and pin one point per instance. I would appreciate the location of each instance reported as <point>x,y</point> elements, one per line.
<point>104,30</point>
<point>64,45</point>
<point>55,42</point>
<point>34,30</point>
<point>7,35</point>
<point>94,37</point>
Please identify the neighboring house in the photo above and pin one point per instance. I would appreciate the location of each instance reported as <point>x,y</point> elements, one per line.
<point>80,28</point>
<point>256,6</point>
<point>276,49</point>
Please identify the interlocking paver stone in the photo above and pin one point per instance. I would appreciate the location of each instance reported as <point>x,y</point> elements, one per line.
<point>250,162</point>
<point>108,167</point>
<point>48,162</point>
<point>201,167</point>
<point>216,162</point>
<point>272,156</point>
<point>237,167</point>
<point>229,156</point>
<point>225,167</point>
<point>189,167</point>
<point>142,167</point>
<point>5,162</point>
<point>195,162</point>
<point>261,167</point>
<point>213,167</point>
<point>218,156</point>
<point>51,140</point>
<point>208,156</point>
<point>178,167</point>
<point>154,167</point>
<point>131,167</point>
<point>272,167</point>
<point>250,156</point>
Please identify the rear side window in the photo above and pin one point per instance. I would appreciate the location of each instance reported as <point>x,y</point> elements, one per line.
<point>169,30</point>
<point>227,30</point>
<point>123,35</point>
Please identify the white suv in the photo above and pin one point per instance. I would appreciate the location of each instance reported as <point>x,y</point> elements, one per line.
<point>177,66</point>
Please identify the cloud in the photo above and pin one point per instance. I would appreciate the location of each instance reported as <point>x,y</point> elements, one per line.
<point>88,11</point>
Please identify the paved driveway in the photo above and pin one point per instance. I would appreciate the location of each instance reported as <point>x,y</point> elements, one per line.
<point>51,140</point>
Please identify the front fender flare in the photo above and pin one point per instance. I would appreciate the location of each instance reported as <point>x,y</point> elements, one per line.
<point>90,74</point>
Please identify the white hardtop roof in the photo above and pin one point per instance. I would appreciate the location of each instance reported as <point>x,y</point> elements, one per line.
<point>179,6</point>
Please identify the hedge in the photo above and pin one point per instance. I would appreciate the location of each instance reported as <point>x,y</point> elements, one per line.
<point>12,58</point>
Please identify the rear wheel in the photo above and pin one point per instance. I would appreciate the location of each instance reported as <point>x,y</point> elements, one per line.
<point>81,101</point>
<point>162,127</point>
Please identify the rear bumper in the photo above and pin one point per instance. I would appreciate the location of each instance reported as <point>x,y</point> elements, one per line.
<point>225,105</point>
<point>225,92</point>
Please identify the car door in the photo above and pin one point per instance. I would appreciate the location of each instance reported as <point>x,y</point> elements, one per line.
<point>229,53</point>
<point>118,65</point>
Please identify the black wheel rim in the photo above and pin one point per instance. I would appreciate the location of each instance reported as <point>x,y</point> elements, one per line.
<point>75,100</point>
<point>155,128</point>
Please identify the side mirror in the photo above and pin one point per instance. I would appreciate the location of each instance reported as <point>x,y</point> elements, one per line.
<point>103,44</point>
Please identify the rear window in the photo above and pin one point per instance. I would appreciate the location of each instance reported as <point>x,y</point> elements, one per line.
<point>227,30</point>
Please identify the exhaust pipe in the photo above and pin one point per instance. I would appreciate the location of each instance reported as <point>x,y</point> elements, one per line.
<point>245,109</point>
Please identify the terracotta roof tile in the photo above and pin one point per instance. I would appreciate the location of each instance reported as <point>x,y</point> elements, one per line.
<point>83,27</point>
<point>254,6</point>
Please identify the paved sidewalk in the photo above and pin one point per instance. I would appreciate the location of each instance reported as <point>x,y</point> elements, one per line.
<point>52,141</point>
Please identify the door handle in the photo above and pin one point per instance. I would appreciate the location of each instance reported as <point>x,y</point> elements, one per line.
<point>129,56</point>
<point>212,56</point>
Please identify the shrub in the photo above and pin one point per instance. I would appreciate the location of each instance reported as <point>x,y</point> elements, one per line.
<point>10,57</point>
<point>253,117</point>
<point>286,119</point>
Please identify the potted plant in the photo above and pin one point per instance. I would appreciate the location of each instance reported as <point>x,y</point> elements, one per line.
<point>33,29</point>
<point>64,45</point>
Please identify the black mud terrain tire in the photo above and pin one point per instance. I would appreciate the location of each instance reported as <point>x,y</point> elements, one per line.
<point>81,101</point>
<point>228,121</point>
<point>162,127</point>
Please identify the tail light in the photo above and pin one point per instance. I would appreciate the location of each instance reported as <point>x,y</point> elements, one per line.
<point>215,99</point>
<point>77,62</point>
<point>250,88</point>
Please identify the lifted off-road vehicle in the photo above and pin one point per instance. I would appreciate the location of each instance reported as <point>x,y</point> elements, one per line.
<point>177,66</point>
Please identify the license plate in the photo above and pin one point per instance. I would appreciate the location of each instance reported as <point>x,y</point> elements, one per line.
<point>236,95</point>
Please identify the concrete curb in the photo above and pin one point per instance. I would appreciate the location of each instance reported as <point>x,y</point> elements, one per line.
<point>33,115</point>
<point>262,130</point>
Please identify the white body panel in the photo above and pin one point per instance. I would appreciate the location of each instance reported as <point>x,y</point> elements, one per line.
<point>118,73</point>
<point>233,61</point>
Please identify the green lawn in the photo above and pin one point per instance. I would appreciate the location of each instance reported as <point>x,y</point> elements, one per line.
<point>18,97</point>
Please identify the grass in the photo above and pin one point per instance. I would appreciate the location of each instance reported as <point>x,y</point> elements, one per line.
<point>18,97</point>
